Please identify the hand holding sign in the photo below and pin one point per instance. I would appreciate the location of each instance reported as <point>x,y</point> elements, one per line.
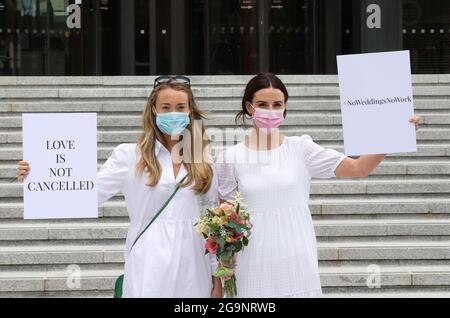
<point>64,158</point>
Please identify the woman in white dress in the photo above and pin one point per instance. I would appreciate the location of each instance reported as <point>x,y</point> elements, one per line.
<point>272,172</point>
<point>168,260</point>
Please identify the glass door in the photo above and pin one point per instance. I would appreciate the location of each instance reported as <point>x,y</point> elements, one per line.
<point>36,38</point>
<point>233,37</point>
<point>426,33</point>
<point>252,36</point>
<point>293,37</point>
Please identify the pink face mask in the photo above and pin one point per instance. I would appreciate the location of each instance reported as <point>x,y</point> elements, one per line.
<point>266,118</point>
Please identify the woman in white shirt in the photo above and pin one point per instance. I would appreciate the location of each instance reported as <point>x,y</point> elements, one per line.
<point>272,172</point>
<point>168,260</point>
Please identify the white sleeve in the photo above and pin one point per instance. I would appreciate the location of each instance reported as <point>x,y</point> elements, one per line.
<point>226,177</point>
<point>320,162</point>
<point>209,200</point>
<point>213,201</point>
<point>111,176</point>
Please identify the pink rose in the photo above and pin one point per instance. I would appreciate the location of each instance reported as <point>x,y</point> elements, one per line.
<point>236,218</point>
<point>211,246</point>
<point>226,206</point>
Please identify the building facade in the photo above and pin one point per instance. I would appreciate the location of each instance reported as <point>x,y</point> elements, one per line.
<point>215,37</point>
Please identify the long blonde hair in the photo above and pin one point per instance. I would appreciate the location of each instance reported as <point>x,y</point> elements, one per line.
<point>199,174</point>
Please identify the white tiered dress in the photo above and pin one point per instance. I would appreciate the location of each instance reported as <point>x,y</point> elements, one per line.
<point>168,260</point>
<point>281,259</point>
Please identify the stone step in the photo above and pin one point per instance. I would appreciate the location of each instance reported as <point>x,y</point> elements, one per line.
<point>10,120</point>
<point>318,207</point>
<point>54,255</point>
<point>373,207</point>
<point>38,263</point>
<point>220,120</point>
<point>328,292</point>
<point>389,276</point>
<point>390,251</point>
<point>104,280</point>
<point>11,153</point>
<point>17,92</point>
<point>413,292</point>
<point>58,281</point>
<point>391,293</point>
<point>386,168</point>
<point>201,80</point>
<point>56,294</point>
<point>61,267</point>
<point>435,79</point>
<point>325,187</point>
<point>432,151</point>
<point>131,136</point>
<point>326,134</point>
<point>364,254</point>
<point>423,106</point>
<point>386,228</point>
<point>24,231</point>
<point>62,231</point>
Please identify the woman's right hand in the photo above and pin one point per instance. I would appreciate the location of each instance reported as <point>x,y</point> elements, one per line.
<point>23,169</point>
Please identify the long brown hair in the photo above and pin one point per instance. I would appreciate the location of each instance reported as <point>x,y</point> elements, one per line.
<point>199,174</point>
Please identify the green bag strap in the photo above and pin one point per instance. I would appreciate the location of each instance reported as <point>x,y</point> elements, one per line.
<point>118,288</point>
<point>161,209</point>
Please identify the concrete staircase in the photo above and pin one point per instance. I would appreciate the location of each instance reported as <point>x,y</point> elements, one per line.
<point>392,228</point>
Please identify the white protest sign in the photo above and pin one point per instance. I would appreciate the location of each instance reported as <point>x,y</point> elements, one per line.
<point>62,152</point>
<point>376,103</point>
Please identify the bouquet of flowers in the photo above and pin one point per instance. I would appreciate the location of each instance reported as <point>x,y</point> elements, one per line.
<point>226,229</point>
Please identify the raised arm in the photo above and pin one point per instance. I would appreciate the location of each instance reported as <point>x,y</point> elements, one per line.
<point>358,168</point>
<point>111,177</point>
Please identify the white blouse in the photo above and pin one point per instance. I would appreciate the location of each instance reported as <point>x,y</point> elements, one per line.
<point>169,259</point>
<point>281,259</point>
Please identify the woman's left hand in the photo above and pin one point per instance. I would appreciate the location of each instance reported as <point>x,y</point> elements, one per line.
<point>416,121</point>
<point>217,291</point>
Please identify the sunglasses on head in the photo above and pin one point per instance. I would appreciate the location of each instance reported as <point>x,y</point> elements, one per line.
<point>166,79</point>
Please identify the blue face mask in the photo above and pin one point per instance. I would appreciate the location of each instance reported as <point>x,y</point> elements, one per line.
<point>172,123</point>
